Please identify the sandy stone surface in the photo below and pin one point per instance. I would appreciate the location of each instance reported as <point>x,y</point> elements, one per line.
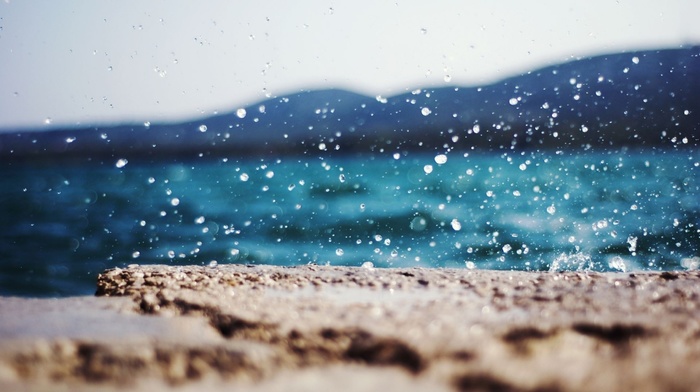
<point>266,328</point>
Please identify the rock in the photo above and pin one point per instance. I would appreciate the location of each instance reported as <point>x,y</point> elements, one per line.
<point>341,328</point>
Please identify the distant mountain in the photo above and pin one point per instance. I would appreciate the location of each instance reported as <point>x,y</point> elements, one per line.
<point>645,98</point>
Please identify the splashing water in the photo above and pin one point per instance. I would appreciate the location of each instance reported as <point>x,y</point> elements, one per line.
<point>572,262</point>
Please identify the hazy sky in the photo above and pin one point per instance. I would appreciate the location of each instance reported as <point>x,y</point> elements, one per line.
<point>85,61</point>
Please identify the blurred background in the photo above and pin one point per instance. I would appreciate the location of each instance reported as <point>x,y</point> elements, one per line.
<point>78,62</point>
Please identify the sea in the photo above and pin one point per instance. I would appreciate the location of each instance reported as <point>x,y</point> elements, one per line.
<point>625,210</point>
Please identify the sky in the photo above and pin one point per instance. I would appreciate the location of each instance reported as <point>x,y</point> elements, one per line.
<point>85,62</point>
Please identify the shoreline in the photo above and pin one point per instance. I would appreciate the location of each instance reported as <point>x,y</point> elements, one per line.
<point>262,327</point>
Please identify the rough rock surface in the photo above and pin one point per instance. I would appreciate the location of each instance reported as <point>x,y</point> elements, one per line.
<point>339,328</point>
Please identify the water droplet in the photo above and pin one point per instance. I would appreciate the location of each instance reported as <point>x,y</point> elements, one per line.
<point>440,159</point>
<point>291,187</point>
<point>341,177</point>
<point>213,263</point>
<point>244,177</point>
<point>175,201</point>
<point>513,101</point>
<point>136,254</point>
<point>552,209</point>
<point>270,174</point>
<point>506,248</point>
<point>202,128</point>
<point>199,220</point>
<point>469,264</point>
<point>418,223</point>
<point>241,112</point>
<point>632,241</point>
<point>70,139</point>
<point>368,265</point>
<point>635,60</point>
<point>617,263</point>
<point>394,253</point>
<point>523,167</point>
<point>428,169</point>
<point>339,252</point>
<point>121,163</point>
<point>424,31</point>
<point>456,225</point>
<point>425,111</point>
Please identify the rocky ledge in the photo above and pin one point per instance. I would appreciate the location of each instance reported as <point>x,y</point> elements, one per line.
<point>340,328</point>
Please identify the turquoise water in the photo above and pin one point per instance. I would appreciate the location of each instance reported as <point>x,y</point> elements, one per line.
<point>613,211</point>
